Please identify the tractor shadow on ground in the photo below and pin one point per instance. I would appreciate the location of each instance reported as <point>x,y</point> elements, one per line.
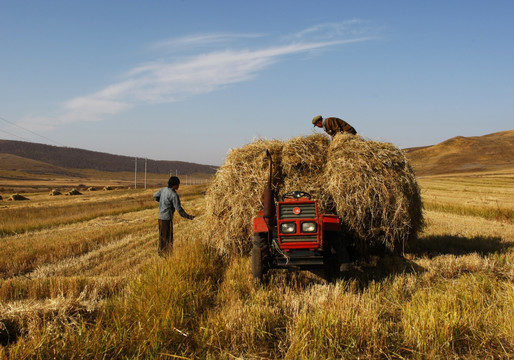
<point>381,264</point>
<point>378,267</point>
<point>435,245</point>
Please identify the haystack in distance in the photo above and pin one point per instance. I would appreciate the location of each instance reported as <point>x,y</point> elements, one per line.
<point>369,184</point>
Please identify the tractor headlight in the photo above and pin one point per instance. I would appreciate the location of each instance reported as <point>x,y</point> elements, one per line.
<point>288,227</point>
<point>309,227</point>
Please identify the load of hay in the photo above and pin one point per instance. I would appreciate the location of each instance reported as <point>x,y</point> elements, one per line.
<point>375,192</point>
<point>234,195</point>
<point>55,192</point>
<point>369,184</point>
<point>73,192</point>
<point>303,162</point>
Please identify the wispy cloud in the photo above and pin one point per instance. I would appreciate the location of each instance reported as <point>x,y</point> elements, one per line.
<point>174,80</point>
<point>346,29</point>
<point>201,40</point>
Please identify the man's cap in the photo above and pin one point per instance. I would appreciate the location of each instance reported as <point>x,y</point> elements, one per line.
<point>316,119</point>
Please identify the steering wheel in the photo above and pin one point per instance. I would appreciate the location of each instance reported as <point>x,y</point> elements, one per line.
<point>296,195</point>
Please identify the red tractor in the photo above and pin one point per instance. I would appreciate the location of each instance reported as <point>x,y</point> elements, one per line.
<point>294,235</point>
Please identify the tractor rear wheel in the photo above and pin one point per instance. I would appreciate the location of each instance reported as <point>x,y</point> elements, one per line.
<point>338,260</point>
<point>260,256</point>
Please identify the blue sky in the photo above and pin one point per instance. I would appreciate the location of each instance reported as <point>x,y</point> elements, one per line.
<point>188,80</point>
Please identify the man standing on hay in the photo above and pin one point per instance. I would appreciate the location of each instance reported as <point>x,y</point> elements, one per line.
<point>169,201</point>
<point>333,125</point>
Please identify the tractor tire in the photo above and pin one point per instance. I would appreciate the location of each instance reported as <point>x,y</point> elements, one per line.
<point>338,263</point>
<point>260,253</point>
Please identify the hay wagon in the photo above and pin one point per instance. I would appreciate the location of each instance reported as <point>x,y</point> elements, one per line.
<point>294,234</point>
<point>369,185</point>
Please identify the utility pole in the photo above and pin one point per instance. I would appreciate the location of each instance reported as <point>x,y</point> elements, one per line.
<point>146,160</point>
<point>135,174</point>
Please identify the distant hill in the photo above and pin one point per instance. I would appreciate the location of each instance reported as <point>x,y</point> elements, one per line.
<point>73,158</point>
<point>460,154</point>
<point>21,167</point>
<point>493,152</point>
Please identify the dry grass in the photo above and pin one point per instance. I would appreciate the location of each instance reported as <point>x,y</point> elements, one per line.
<point>418,313</point>
<point>450,297</point>
<point>81,263</point>
<point>48,211</point>
<point>154,315</point>
<point>25,252</point>
<point>484,195</point>
<point>55,315</point>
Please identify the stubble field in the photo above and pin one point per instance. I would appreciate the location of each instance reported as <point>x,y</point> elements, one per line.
<point>80,278</point>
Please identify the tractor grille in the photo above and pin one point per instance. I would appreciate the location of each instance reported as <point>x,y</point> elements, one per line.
<point>307,211</point>
<point>307,238</point>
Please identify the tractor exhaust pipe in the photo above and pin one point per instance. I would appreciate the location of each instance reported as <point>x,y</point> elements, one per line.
<point>268,197</point>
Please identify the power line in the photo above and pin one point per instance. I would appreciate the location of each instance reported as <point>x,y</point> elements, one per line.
<point>19,137</point>
<point>30,131</point>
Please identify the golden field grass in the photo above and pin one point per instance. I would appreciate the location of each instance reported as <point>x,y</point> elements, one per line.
<point>486,195</point>
<point>93,287</point>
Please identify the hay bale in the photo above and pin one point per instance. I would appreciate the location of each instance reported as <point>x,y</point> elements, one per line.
<point>375,191</point>
<point>55,192</point>
<point>73,192</point>
<point>369,184</point>
<point>108,188</point>
<point>303,162</point>
<point>17,197</point>
<point>234,195</point>
<point>91,188</point>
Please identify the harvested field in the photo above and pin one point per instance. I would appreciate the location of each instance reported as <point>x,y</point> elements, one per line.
<point>450,296</point>
<point>59,276</point>
<point>484,195</point>
<point>46,211</point>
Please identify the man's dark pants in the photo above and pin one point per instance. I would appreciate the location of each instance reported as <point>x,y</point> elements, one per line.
<point>165,236</point>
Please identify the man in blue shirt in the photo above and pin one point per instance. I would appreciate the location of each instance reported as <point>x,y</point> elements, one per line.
<point>169,201</point>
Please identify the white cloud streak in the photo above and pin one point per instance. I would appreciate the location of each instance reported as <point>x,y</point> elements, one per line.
<point>165,82</point>
<point>202,39</point>
<point>349,28</point>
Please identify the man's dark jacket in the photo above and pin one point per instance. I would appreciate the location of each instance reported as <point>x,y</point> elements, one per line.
<point>333,125</point>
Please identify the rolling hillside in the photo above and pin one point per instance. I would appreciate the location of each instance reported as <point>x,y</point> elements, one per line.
<point>492,152</point>
<point>73,158</point>
<point>22,167</point>
<point>487,153</point>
